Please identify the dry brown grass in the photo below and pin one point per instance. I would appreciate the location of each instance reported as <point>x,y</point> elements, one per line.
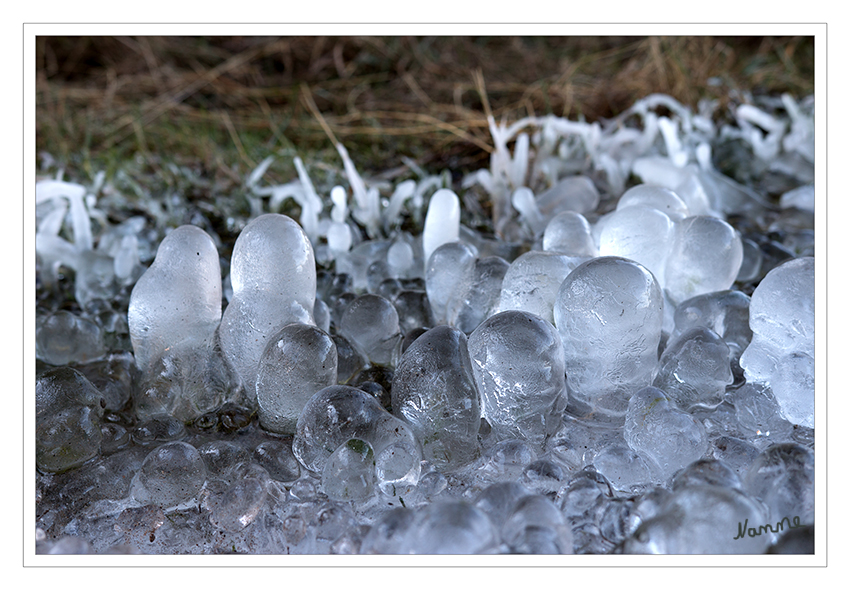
<point>223,104</point>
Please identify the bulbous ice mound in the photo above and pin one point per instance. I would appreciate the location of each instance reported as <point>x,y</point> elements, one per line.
<point>518,362</point>
<point>171,475</point>
<point>434,391</point>
<point>298,361</point>
<point>669,437</point>
<point>370,323</point>
<point>702,519</point>
<point>532,281</point>
<point>781,353</point>
<point>273,272</point>
<point>694,369</point>
<point>339,413</point>
<point>705,256</point>
<point>609,313</point>
<point>446,271</point>
<point>177,301</point>
<point>640,233</point>
<point>68,415</point>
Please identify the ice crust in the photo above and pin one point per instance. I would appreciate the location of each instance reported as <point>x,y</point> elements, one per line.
<point>585,367</point>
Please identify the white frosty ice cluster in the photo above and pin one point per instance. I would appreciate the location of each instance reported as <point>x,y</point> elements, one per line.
<point>618,358</point>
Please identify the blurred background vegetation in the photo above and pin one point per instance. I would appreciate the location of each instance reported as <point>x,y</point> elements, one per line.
<point>220,105</point>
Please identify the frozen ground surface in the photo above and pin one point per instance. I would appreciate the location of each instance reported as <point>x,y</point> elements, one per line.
<point>603,343</point>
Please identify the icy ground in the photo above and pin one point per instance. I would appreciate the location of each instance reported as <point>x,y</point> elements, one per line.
<point>604,343</point>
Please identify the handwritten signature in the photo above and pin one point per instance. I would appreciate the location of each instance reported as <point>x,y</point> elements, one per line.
<point>780,526</point>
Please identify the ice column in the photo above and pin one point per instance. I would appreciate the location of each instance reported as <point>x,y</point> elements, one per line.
<point>273,272</point>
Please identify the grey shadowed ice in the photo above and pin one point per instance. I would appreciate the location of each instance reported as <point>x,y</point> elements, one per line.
<point>370,324</point>
<point>518,362</point>
<point>434,391</point>
<point>273,272</point>
<point>609,315</point>
<point>781,354</point>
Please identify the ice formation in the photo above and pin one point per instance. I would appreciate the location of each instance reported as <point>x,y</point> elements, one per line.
<point>592,365</point>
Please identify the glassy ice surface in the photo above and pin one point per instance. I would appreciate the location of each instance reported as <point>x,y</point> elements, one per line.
<point>442,223</point>
<point>517,360</point>
<point>655,197</point>
<point>663,433</point>
<point>447,269</point>
<point>298,361</point>
<point>68,414</point>
<point>273,272</point>
<point>781,353</point>
<point>477,297</point>
<point>434,391</point>
<point>609,312</point>
<point>694,369</point>
<point>171,474</point>
<point>705,256</point>
<point>370,324</point>
<point>783,477</point>
<point>569,233</point>
<point>63,338</point>
<point>532,281</point>
<point>640,233</point>
<point>702,519</point>
<point>339,413</point>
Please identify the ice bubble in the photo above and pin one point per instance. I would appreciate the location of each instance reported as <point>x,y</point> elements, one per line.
<point>370,324</point>
<point>609,313</point>
<point>572,193</point>
<point>781,353</point>
<point>273,272</point>
<point>569,233</point>
<point>532,281</point>
<point>705,256</point>
<point>298,361</point>
<point>238,506</point>
<point>276,457</point>
<point>727,313</point>
<point>708,472</point>
<point>171,475</point>
<point>434,391</point>
<point>666,435</point>
<point>447,269</point>
<point>694,369</point>
<point>518,363</point>
<point>68,416</point>
<point>339,413</point>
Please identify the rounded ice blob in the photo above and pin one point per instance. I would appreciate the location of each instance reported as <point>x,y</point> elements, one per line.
<point>370,324</point>
<point>337,414</point>
<point>442,222</point>
<point>518,363</point>
<point>171,474</point>
<point>781,353</point>
<point>434,391</point>
<point>532,281</point>
<point>609,313</point>
<point>705,256</point>
<point>177,301</point>
<point>68,416</point>
<point>446,270</point>
<point>273,272</point>
<point>298,361</point>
